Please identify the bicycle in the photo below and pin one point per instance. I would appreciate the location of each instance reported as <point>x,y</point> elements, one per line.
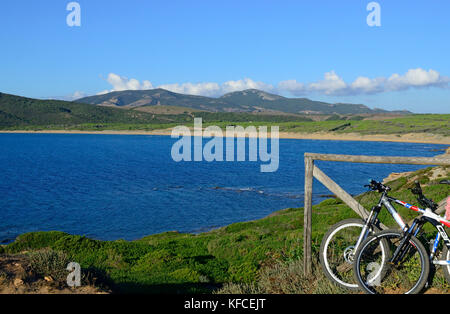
<point>403,264</point>
<point>341,241</point>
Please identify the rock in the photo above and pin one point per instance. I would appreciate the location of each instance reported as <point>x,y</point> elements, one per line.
<point>18,282</point>
<point>48,278</point>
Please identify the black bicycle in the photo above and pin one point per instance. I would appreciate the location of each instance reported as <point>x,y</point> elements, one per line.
<point>394,262</point>
<point>339,245</point>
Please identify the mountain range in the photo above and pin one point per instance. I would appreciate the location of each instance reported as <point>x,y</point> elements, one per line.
<point>158,106</point>
<point>251,100</point>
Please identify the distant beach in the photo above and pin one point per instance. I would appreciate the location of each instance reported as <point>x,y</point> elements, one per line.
<point>426,138</point>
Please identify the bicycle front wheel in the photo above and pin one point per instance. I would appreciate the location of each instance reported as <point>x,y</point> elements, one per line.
<point>378,273</point>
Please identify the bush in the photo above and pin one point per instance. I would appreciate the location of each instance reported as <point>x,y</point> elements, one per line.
<point>185,275</point>
<point>243,272</point>
<point>47,262</point>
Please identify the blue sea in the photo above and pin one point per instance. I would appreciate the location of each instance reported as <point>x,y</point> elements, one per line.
<point>112,187</point>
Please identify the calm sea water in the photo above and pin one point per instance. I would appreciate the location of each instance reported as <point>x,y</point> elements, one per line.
<point>126,187</point>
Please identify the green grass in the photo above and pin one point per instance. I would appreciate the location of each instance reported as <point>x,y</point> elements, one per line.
<point>434,124</point>
<point>240,256</point>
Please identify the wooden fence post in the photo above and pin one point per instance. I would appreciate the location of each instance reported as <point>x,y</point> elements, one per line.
<point>311,172</point>
<point>307,241</point>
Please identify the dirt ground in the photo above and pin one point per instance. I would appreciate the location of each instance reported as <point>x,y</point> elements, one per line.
<point>16,277</point>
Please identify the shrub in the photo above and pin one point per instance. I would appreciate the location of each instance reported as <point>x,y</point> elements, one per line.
<point>185,275</point>
<point>46,262</point>
<point>243,272</point>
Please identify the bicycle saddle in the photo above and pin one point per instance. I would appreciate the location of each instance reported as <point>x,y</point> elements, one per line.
<point>417,190</point>
<point>445,182</point>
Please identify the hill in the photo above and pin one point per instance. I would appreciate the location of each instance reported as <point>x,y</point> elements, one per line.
<point>23,113</point>
<point>251,100</point>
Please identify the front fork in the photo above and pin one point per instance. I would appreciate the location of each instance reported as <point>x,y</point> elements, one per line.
<point>405,245</point>
<point>370,221</point>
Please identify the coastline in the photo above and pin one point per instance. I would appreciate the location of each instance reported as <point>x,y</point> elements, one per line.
<point>425,138</point>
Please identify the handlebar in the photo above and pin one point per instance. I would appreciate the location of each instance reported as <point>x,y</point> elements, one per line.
<point>416,190</point>
<point>377,186</point>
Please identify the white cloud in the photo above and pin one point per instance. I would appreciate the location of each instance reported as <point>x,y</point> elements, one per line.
<point>365,85</point>
<point>233,86</point>
<point>201,89</point>
<point>331,85</point>
<point>417,78</point>
<point>334,85</point>
<point>121,83</point>
<point>293,87</point>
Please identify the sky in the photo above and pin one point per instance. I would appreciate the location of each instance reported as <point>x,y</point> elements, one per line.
<point>322,49</point>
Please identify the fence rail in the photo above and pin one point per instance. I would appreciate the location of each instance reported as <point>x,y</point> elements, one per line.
<point>312,171</point>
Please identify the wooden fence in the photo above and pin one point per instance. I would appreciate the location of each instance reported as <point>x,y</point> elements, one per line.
<point>312,171</point>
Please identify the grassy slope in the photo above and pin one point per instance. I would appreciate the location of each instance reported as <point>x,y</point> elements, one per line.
<point>26,113</point>
<point>432,124</point>
<point>429,123</point>
<point>242,253</point>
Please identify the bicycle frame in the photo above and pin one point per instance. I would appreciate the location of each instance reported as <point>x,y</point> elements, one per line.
<point>371,220</point>
<point>427,216</point>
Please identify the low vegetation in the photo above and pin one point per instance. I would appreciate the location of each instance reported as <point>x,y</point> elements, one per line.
<point>19,113</point>
<point>261,256</point>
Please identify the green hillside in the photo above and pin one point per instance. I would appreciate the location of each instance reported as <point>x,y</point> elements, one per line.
<point>17,113</point>
<point>21,111</point>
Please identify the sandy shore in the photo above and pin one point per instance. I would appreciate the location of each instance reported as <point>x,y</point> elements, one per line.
<point>405,138</point>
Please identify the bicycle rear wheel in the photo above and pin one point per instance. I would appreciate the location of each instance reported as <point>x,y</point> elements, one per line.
<point>337,252</point>
<point>377,274</point>
<point>446,269</point>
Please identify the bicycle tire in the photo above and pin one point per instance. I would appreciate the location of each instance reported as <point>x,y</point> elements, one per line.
<point>387,267</point>
<point>446,256</point>
<point>323,253</point>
